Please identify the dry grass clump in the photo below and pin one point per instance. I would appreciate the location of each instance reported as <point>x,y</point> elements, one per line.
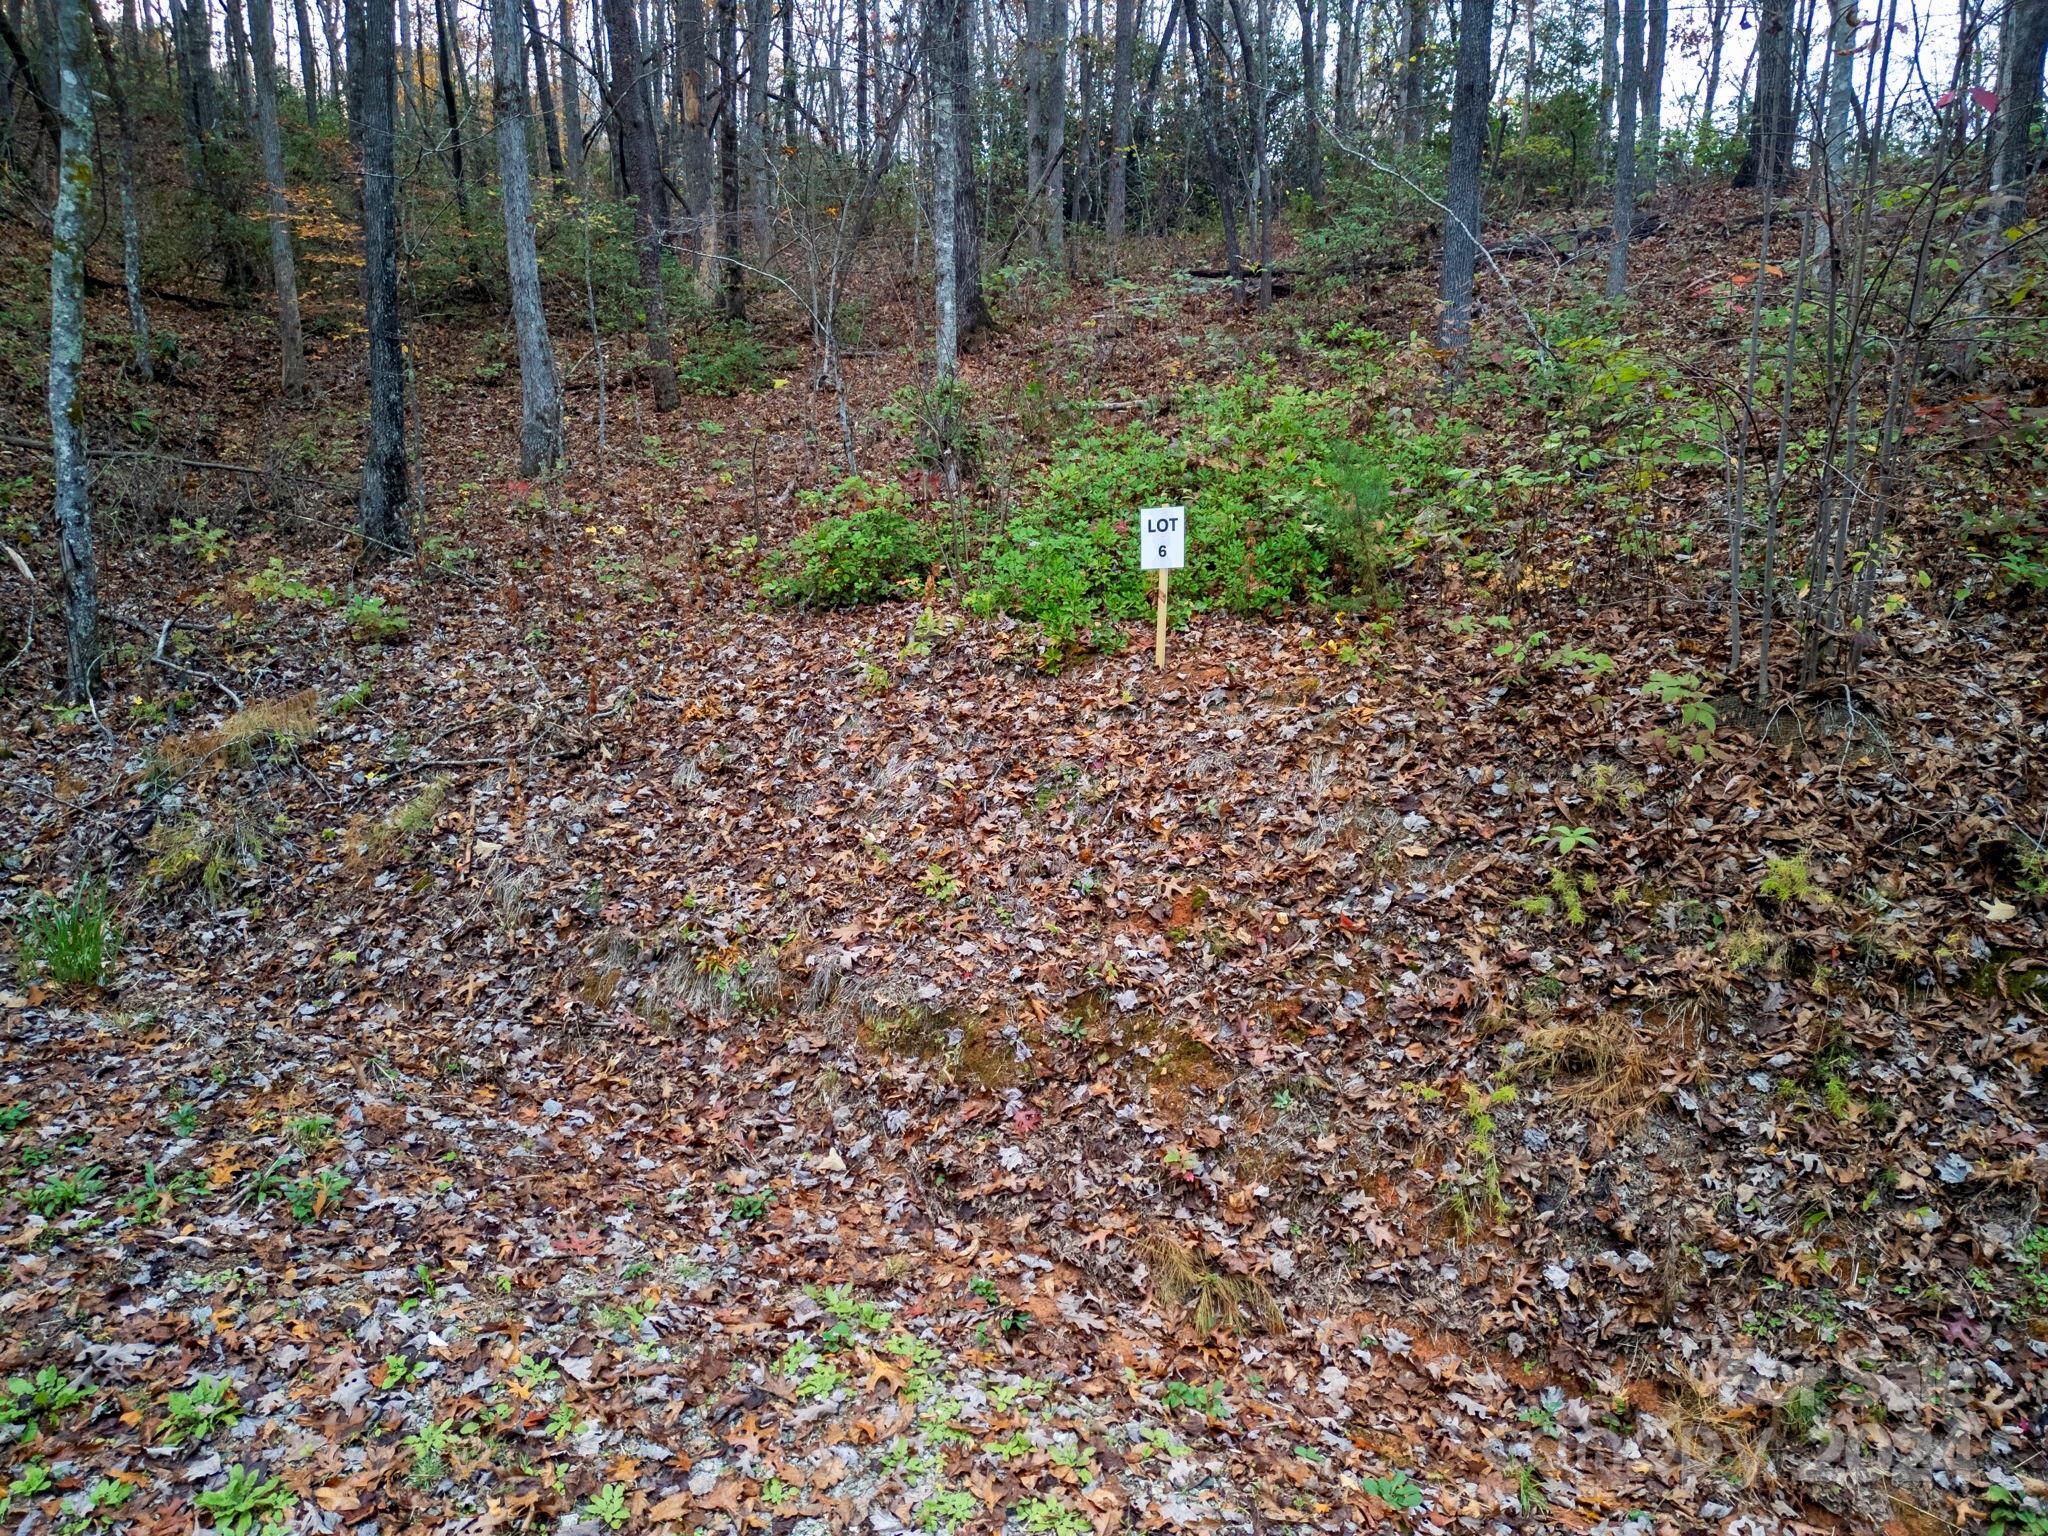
<point>1181,1279</point>
<point>1605,1063</point>
<point>281,725</point>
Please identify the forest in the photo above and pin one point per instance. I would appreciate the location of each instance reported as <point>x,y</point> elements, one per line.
<point>1023,766</point>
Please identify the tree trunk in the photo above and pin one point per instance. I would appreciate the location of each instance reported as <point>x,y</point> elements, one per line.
<point>444,48</point>
<point>1610,70</point>
<point>1717,36</point>
<point>1115,216</point>
<point>309,65</point>
<point>551,132</point>
<point>1649,138</point>
<point>238,57</point>
<point>1313,18</point>
<point>697,198</point>
<point>732,279</point>
<point>626,99</point>
<point>1771,126</point>
<point>131,205</point>
<point>70,471</point>
<point>1344,89</point>
<point>759,14</point>
<point>789,138</point>
<point>945,204</point>
<point>971,305</point>
<point>1208,75</point>
<point>1625,146</point>
<point>284,274</point>
<point>386,485</point>
<point>337,69</point>
<point>2024,43</point>
<point>1055,117</point>
<point>572,93</point>
<point>1414,65</point>
<point>540,398</point>
<point>1461,194</point>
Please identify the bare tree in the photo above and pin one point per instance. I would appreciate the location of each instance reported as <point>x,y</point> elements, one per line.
<point>626,98</point>
<point>284,275</point>
<point>309,64</point>
<point>1650,126</point>
<point>1625,146</point>
<point>1772,123</point>
<point>131,203</point>
<point>540,396</point>
<point>1461,192</point>
<point>71,473</point>
<point>1115,215</point>
<point>1414,70</point>
<point>386,489</point>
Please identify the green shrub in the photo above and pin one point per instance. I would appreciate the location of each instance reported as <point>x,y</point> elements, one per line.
<point>74,941</point>
<point>871,554</point>
<point>723,359</point>
<point>1283,507</point>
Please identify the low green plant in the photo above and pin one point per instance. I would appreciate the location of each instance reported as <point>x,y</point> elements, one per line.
<point>946,1511</point>
<point>2009,1513</point>
<point>200,537</point>
<point>38,1401</point>
<point>1396,1490</point>
<point>1050,1515</point>
<point>722,359</point>
<point>248,1503</point>
<point>14,1117</point>
<point>1787,881</point>
<point>202,1410</point>
<point>2032,1267</point>
<point>608,1506</point>
<point>276,583</point>
<point>874,551</point>
<point>1208,1401</point>
<point>74,942</point>
<point>372,620</point>
<point>61,1194</point>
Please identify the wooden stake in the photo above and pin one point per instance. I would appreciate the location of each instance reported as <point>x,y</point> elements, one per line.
<point>1159,638</point>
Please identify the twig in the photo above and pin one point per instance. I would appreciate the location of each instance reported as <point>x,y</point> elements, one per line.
<point>29,638</point>
<point>163,638</point>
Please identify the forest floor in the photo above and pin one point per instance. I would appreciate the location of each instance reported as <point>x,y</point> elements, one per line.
<point>612,1053</point>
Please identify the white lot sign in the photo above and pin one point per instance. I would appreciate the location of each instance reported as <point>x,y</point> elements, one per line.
<point>1162,547</point>
<point>1162,538</point>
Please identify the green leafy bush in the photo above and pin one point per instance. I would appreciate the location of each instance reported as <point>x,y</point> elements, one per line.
<point>722,359</point>
<point>871,554</point>
<point>1283,507</point>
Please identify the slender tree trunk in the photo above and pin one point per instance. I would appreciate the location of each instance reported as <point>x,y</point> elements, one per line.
<point>444,49</point>
<point>732,278</point>
<point>1208,74</point>
<point>70,470</point>
<point>551,132</point>
<point>309,65</point>
<point>1414,71</point>
<point>1610,72</point>
<point>1717,36</point>
<point>386,488</point>
<point>284,274</point>
<point>1055,101</point>
<point>1313,18</point>
<point>1650,128</point>
<point>627,103</point>
<point>970,304</point>
<point>238,57</point>
<point>1461,194</point>
<point>1625,146</point>
<point>131,204</point>
<point>759,14</point>
<point>945,207</point>
<point>789,135</point>
<point>1771,125</point>
<point>1114,218</point>
<point>337,68</point>
<point>572,93</point>
<point>1344,88</point>
<point>694,73</point>
<point>540,396</point>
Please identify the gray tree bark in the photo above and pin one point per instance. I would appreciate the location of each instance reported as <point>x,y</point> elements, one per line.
<point>386,489</point>
<point>1414,65</point>
<point>693,73</point>
<point>143,362</point>
<point>444,55</point>
<point>759,175</point>
<point>284,274</point>
<point>627,100</point>
<point>1610,71</point>
<point>1771,126</point>
<point>551,133</point>
<point>945,208</point>
<point>1117,213</point>
<point>572,93</point>
<point>70,470</point>
<point>309,64</point>
<point>1625,146</point>
<point>971,304</point>
<point>540,396</point>
<point>1650,144</point>
<point>732,292</point>
<point>2023,44</point>
<point>1461,193</point>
